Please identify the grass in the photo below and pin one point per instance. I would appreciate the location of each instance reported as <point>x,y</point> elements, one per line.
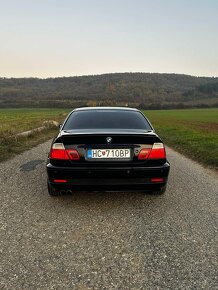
<point>19,120</point>
<point>192,132</point>
<point>14,121</point>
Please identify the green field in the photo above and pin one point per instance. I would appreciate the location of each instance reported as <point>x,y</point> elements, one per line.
<point>193,132</point>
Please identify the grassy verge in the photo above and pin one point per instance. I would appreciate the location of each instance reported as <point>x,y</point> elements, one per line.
<point>10,147</point>
<point>14,121</point>
<point>191,132</point>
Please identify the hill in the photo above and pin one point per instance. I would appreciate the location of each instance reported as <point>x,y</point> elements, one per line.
<point>144,90</point>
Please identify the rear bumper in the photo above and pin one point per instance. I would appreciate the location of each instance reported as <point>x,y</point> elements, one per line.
<point>105,178</point>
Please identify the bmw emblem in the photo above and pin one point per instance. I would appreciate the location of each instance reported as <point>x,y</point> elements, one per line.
<point>109,140</point>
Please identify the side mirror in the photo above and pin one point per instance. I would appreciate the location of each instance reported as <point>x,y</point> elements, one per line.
<point>59,126</point>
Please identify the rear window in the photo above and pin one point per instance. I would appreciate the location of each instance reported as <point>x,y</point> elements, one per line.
<point>106,119</point>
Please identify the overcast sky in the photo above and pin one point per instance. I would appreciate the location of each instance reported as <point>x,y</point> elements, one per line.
<point>47,38</point>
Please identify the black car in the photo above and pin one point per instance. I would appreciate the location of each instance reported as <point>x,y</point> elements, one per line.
<point>107,148</point>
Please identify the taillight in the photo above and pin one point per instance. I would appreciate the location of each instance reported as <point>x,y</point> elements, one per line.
<point>144,153</point>
<point>58,151</point>
<point>156,152</point>
<point>73,154</point>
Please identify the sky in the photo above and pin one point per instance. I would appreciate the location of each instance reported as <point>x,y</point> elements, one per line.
<point>55,38</point>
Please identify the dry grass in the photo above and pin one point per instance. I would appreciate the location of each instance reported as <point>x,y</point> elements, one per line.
<point>13,121</point>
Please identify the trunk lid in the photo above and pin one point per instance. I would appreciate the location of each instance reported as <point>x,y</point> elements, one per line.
<point>83,140</point>
<point>98,137</point>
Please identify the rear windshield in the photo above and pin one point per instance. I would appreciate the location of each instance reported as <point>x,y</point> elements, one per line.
<point>106,119</point>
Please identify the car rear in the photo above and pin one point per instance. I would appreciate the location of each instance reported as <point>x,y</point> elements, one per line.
<point>107,149</point>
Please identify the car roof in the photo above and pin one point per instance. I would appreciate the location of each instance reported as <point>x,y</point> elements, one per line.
<point>105,108</point>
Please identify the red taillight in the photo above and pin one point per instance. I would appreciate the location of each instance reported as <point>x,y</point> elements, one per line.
<point>144,153</point>
<point>73,154</point>
<point>58,151</point>
<point>60,180</point>
<point>158,151</point>
<point>58,154</point>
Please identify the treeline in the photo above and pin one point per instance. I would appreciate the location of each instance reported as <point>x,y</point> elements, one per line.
<point>142,90</point>
<point>176,106</point>
<point>202,91</point>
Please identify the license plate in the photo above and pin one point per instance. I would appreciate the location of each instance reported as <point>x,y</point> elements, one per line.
<point>108,154</point>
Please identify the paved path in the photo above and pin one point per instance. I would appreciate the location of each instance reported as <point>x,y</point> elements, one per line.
<point>107,240</point>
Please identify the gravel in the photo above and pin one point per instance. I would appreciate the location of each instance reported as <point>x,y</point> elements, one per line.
<point>107,240</point>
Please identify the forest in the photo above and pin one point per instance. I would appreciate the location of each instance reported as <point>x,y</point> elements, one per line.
<point>142,90</point>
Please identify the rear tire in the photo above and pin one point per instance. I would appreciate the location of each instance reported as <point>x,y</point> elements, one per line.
<point>52,191</point>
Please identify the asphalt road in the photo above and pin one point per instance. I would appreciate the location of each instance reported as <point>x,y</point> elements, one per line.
<point>107,240</point>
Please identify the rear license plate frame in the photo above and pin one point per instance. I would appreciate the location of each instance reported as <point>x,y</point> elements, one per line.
<point>111,154</point>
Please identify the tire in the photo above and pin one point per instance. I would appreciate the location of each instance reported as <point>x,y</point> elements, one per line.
<point>52,191</point>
